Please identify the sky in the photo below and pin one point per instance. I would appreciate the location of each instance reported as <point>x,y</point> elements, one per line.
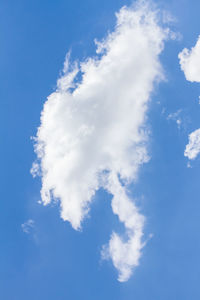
<point>100,135</point>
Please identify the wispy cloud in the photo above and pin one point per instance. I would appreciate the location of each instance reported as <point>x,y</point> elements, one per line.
<point>176,117</point>
<point>93,134</point>
<point>28,226</point>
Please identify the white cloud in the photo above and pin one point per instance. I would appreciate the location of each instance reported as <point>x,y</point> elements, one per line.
<point>193,147</point>
<point>93,135</point>
<point>190,65</point>
<point>189,61</point>
<point>28,226</point>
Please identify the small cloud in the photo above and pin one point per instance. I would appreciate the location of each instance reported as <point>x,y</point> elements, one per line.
<point>173,116</point>
<point>192,149</point>
<point>189,165</point>
<point>178,122</point>
<point>189,62</point>
<point>176,117</point>
<point>28,226</point>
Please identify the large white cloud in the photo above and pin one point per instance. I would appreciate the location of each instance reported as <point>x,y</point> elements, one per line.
<point>92,132</point>
<point>190,65</point>
<point>190,62</point>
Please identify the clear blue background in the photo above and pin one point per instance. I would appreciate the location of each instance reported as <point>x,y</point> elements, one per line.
<point>54,261</point>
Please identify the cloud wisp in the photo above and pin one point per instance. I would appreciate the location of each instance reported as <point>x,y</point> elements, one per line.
<point>190,65</point>
<point>176,117</point>
<point>28,226</point>
<point>93,133</point>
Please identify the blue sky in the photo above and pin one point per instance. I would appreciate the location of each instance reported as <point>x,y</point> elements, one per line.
<point>46,258</point>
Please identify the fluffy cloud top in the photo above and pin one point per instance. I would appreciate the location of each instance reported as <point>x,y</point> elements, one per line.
<point>92,132</point>
<point>190,62</point>
<point>193,147</point>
